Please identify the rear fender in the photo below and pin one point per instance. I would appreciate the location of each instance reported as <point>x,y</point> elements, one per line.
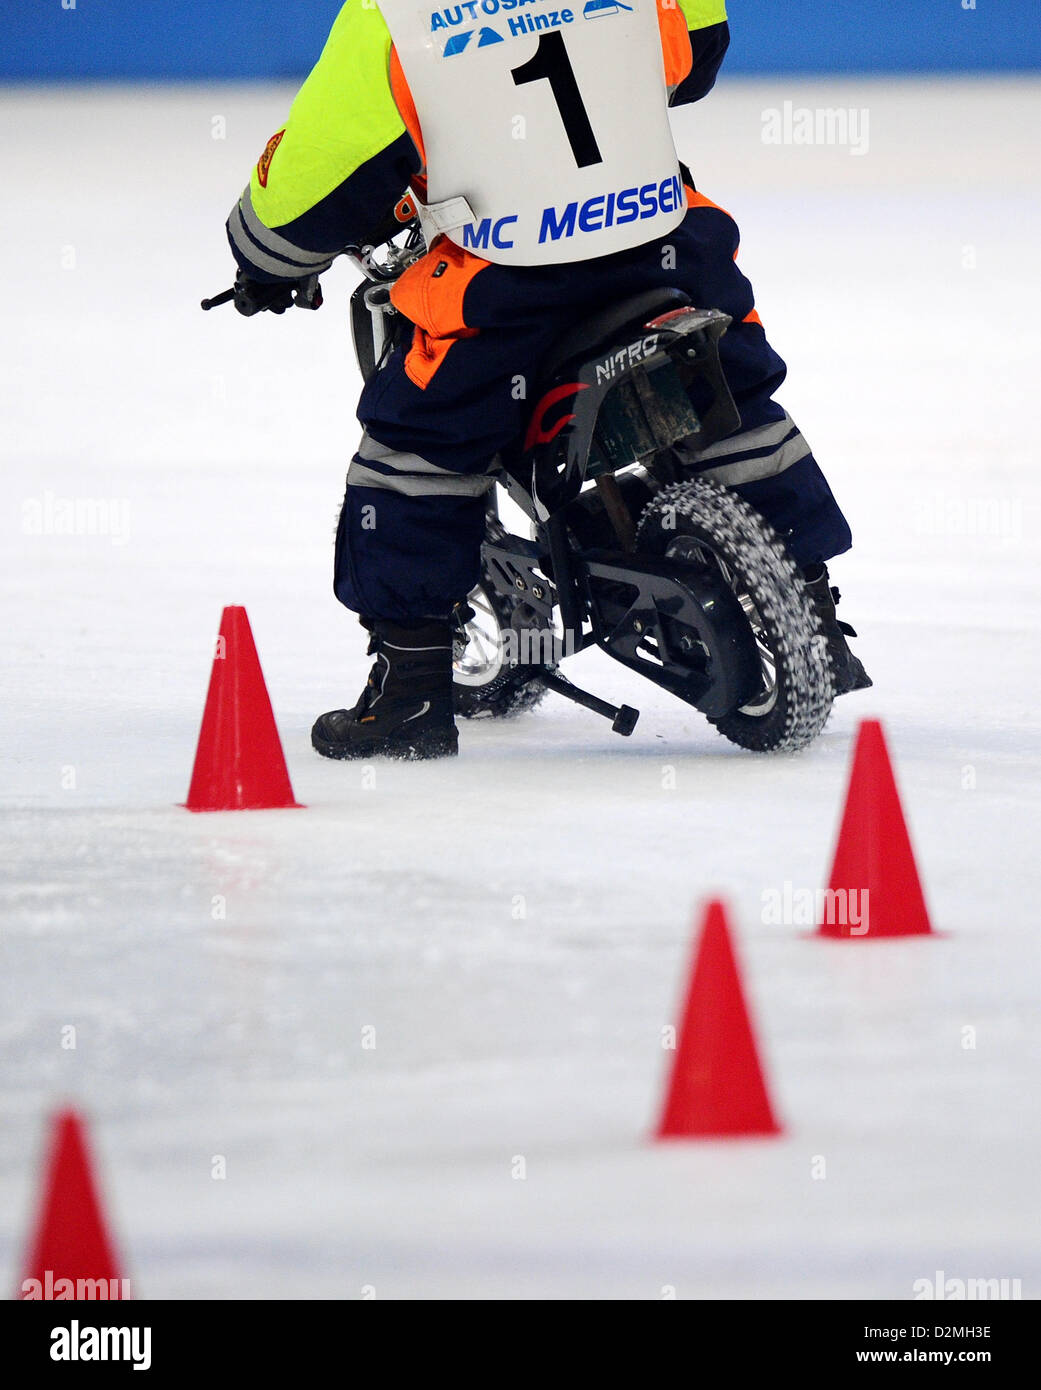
<point>625,404</point>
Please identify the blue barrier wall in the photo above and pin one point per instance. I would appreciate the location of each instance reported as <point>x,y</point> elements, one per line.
<point>102,39</point>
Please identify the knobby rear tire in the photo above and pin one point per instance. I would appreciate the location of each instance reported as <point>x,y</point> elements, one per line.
<point>704,522</point>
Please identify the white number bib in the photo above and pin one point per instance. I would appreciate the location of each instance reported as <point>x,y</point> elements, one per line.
<point>546,130</point>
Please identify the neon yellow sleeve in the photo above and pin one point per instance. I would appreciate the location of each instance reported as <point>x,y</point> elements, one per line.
<point>699,14</point>
<point>343,116</point>
<point>338,165</point>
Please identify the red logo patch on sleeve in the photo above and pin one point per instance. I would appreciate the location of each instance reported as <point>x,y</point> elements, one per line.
<point>264,162</point>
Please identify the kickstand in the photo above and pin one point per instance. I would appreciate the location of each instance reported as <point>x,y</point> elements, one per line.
<point>623,717</point>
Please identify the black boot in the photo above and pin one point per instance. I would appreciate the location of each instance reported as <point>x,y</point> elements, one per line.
<point>847,670</point>
<point>405,710</point>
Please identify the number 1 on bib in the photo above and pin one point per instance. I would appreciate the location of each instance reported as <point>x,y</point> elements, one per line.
<point>550,60</point>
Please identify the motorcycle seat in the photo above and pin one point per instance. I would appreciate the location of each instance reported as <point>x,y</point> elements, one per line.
<point>606,326</point>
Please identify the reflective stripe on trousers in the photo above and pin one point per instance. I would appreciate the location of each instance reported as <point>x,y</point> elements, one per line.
<point>377,466</point>
<point>758,453</point>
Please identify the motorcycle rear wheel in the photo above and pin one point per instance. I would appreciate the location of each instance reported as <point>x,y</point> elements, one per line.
<point>702,523</point>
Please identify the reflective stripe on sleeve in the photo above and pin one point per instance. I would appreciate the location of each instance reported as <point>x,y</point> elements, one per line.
<point>254,251</point>
<point>314,261</point>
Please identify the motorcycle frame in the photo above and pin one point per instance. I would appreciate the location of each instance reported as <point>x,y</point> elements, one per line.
<point>649,614</point>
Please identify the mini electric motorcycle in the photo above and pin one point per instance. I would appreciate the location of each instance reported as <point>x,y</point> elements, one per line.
<point>629,550</point>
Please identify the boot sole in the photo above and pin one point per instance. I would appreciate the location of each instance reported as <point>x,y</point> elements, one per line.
<point>413,750</point>
<point>852,689</point>
<point>852,680</point>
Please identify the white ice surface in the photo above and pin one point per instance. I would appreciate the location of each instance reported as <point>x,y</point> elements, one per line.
<point>902,288</point>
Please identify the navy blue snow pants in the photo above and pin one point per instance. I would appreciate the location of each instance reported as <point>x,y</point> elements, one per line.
<point>409,537</point>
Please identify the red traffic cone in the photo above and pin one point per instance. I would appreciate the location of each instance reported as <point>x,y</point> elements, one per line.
<point>716,1090</point>
<point>70,1243</point>
<point>239,764</point>
<point>875,889</point>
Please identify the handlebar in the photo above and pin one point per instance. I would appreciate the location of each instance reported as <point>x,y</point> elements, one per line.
<point>396,259</point>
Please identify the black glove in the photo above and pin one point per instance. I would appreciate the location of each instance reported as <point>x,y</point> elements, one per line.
<point>254,296</point>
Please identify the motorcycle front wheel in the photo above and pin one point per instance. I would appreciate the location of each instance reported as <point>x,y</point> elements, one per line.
<point>502,648</point>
